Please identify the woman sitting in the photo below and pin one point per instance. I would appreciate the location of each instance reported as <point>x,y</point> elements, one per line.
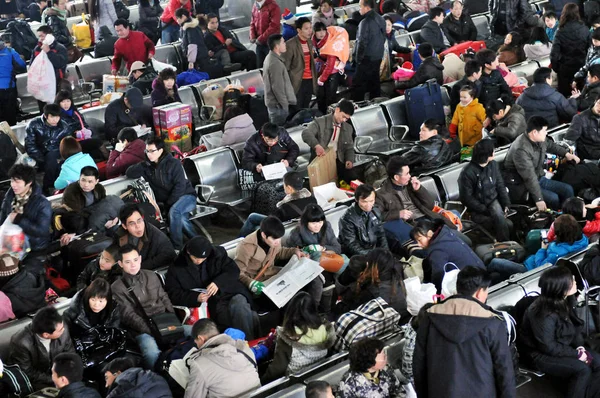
<point>164,89</point>
<point>239,126</point>
<point>511,52</point>
<point>304,338</point>
<point>538,45</point>
<point>129,150</point>
<point>577,208</point>
<point>551,340</point>
<point>75,160</point>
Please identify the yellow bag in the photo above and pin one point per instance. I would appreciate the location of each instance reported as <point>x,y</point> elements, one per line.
<point>82,33</point>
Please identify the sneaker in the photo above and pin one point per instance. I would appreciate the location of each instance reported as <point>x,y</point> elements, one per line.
<point>232,68</point>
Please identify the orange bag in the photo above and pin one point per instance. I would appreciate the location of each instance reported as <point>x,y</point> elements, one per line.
<point>331,262</point>
<point>450,216</point>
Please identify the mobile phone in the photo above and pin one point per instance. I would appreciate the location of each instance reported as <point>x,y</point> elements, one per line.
<point>544,234</point>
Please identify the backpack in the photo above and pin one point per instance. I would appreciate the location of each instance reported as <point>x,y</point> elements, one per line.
<point>22,38</point>
<point>266,195</point>
<point>303,116</point>
<point>375,172</point>
<point>15,382</point>
<point>173,365</point>
<point>8,155</point>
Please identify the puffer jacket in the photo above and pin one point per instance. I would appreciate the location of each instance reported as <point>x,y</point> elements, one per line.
<point>430,154</point>
<point>492,87</point>
<point>480,186</point>
<point>543,100</point>
<point>145,81</point>
<point>570,46</point>
<point>455,92</point>
<point>92,271</point>
<point>149,15</point>
<point>585,132</point>
<point>512,124</point>
<point>118,162</point>
<point>139,383</point>
<point>433,33</point>
<point>103,211</point>
<point>430,68</point>
<point>57,20</point>
<point>70,117</point>
<point>588,96</point>
<point>361,232</point>
<point>518,13</point>
<point>78,320</point>
<point>537,50</point>
<point>42,138</point>
<point>26,292</point>
<point>160,95</point>
<point>78,390</point>
<point>554,251</point>
<point>293,354</point>
<point>265,21</point>
<point>238,130</point>
<point>370,38</point>
<point>154,246</point>
<point>460,30</point>
<point>256,151</point>
<point>71,169</point>
<point>592,57</point>
<point>468,122</point>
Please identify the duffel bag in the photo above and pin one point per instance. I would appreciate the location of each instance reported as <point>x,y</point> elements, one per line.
<point>509,250</point>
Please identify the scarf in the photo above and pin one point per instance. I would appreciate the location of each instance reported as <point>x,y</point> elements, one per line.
<point>328,14</point>
<point>301,194</point>
<point>69,112</point>
<point>18,202</point>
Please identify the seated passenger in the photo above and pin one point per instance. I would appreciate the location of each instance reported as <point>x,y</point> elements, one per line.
<point>34,346</point>
<point>587,98</point>
<point>369,374</point>
<point>538,46</point>
<point>74,161</point>
<point>25,290</point>
<point>431,151</point>
<point>67,375</point>
<point>105,267</point>
<point>123,380</point>
<point>508,120</point>
<point>164,89</point>
<point>303,339</point>
<point>152,244</point>
<point>226,48</point>
<point>127,111</point>
<point>314,233</point>
<point>272,144</point>
<point>325,14</point>
<point>128,151</point>
<point>430,68</point>
<point>203,273</point>
<point>361,227</point>
<point>584,132</point>
<point>222,366</point>
<point>142,77</point>
<point>238,126</point>
<point>511,52</point>
<point>171,187</point>
<point>434,32</point>
<point>578,209</point>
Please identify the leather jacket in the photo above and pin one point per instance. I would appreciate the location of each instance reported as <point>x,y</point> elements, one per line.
<point>361,232</point>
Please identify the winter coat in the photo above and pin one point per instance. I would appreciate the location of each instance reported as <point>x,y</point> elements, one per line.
<point>265,21</point>
<point>320,132</point>
<point>468,122</point>
<point>118,162</point>
<point>238,130</point>
<point>493,86</point>
<point>518,14</point>
<point>480,186</point>
<point>154,246</point>
<point>370,38</point>
<point>92,272</point>
<point>294,63</point>
<point>168,15</point>
<point>150,15</point>
<point>293,354</point>
<point>57,20</point>
<point>361,232</point>
<point>209,7</point>
<point>300,199</point>
<point>569,47</point>
<point>34,12</point>
<point>356,384</point>
<point>538,50</point>
<point>454,68</point>
<point>58,57</point>
<point>70,117</point>
<point>592,57</point>
<point>222,367</point>
<point>117,116</point>
<point>36,217</point>
<point>74,199</point>
<point>460,30</point>
<point>510,55</point>
<point>78,390</point>
<point>393,45</point>
<point>590,265</point>
<point>256,151</point>
<point>430,68</point>
<point>78,320</point>
<point>27,351</point>
<point>279,91</point>
<point>160,95</point>
<point>26,292</point>
<point>318,16</point>
<point>455,92</point>
<point>472,339</point>
<point>590,228</point>
<point>351,27</point>
<point>106,46</point>
<point>139,383</point>
<point>9,57</point>
<point>150,293</point>
<point>512,124</point>
<point>543,100</point>
<point>446,247</point>
<point>430,154</point>
<point>42,138</point>
<point>433,33</point>
<point>524,162</point>
<point>554,251</point>
<point>301,237</point>
<point>103,211</point>
<point>166,178</point>
<point>588,96</point>
<point>135,47</point>
<point>145,81</point>
<point>585,132</point>
<point>578,175</point>
<point>214,44</point>
<point>106,16</point>
<point>71,169</point>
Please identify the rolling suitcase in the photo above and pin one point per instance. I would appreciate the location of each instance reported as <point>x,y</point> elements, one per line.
<point>423,102</point>
<point>508,250</point>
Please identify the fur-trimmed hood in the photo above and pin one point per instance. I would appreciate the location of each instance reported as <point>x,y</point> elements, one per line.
<point>191,24</point>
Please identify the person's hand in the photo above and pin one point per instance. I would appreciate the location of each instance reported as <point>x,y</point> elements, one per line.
<point>143,126</point>
<point>211,53</point>
<point>491,132</point>
<point>300,253</point>
<point>212,289</point>
<point>582,354</point>
<point>12,216</point>
<point>544,244</point>
<point>349,164</point>
<point>416,184</point>
<point>320,83</point>
<point>150,56</point>
<point>541,205</point>
<point>228,42</point>
<point>203,297</point>
<point>319,150</point>
<point>65,239</point>
<point>256,287</point>
<point>487,122</point>
<point>190,66</point>
<point>45,48</point>
<point>285,162</point>
<point>259,168</point>
<point>119,146</point>
<point>575,93</point>
<point>405,214</point>
<point>506,210</point>
<point>111,223</point>
<point>574,85</point>
<point>570,156</point>
<point>113,72</point>
<point>252,41</point>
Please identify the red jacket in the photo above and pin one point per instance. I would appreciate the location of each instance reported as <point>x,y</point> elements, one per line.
<point>136,47</point>
<point>118,162</point>
<point>590,228</point>
<point>266,21</point>
<point>168,15</point>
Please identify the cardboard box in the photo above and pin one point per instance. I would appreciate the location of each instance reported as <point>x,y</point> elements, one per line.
<point>180,136</point>
<point>328,195</point>
<point>322,169</point>
<point>171,115</point>
<point>114,84</point>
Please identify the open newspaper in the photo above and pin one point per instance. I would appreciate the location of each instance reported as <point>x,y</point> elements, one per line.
<point>293,277</point>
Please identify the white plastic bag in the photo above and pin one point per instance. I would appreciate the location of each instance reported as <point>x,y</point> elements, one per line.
<point>449,281</point>
<point>418,294</point>
<point>159,66</point>
<point>41,80</point>
<point>12,238</point>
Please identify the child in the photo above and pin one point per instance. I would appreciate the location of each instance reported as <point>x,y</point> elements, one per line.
<point>101,267</point>
<point>289,25</point>
<point>468,119</point>
<point>592,57</point>
<point>577,208</point>
<point>551,25</point>
<point>493,85</point>
<point>318,389</point>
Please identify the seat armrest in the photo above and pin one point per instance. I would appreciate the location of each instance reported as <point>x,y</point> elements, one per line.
<point>183,313</point>
<point>361,142</point>
<point>399,132</point>
<point>200,191</point>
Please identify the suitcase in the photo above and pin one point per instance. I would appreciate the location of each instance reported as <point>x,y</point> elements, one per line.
<point>87,247</point>
<point>533,241</point>
<point>266,195</point>
<point>509,250</point>
<point>423,102</point>
<point>256,108</point>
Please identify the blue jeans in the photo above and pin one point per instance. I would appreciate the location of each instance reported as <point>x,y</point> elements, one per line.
<point>555,192</point>
<point>503,269</point>
<point>149,348</point>
<point>179,220</point>
<point>170,33</point>
<point>252,224</point>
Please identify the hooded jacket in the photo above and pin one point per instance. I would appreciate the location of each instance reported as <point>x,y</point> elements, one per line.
<point>370,38</point>
<point>71,169</point>
<point>588,96</point>
<point>468,122</point>
<point>42,138</point>
<point>222,367</point>
<point>543,100</point>
<point>118,162</point>
<point>480,186</point>
<point>570,47</point>
<point>460,30</point>
<point>154,246</point>
<point>430,154</point>
<point>433,33</point>
<point>455,92</point>
<point>57,20</point>
<point>139,383</point>
<point>193,43</point>
<point>592,57</point>
<point>512,125</point>
<point>78,390</point>
<point>160,95</point>
<point>78,320</point>
<point>430,68</point>
<point>554,251</point>
<point>256,151</point>
<point>26,292</point>
<point>265,21</point>
<point>472,339</point>
<point>238,130</point>
<point>361,232</point>
<point>585,132</point>
<point>117,116</point>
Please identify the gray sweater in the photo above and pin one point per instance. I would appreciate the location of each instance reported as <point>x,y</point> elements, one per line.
<point>278,86</point>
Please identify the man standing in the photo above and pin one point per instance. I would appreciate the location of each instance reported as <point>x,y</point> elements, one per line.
<point>8,87</point>
<point>168,21</point>
<point>585,132</point>
<point>434,33</point>
<point>57,54</point>
<point>279,92</point>
<point>132,46</point>
<point>368,52</point>
<point>459,25</point>
<point>300,63</point>
<point>265,22</point>
<point>223,45</point>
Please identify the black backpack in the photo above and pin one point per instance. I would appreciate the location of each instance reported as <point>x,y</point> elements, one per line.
<point>14,382</point>
<point>22,38</point>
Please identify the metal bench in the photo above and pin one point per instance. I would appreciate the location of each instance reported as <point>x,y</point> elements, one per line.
<point>28,103</point>
<point>94,70</point>
<point>559,132</point>
<point>483,27</point>
<point>447,180</point>
<point>96,112</point>
<point>252,78</point>
<point>416,36</point>
<point>271,388</point>
<point>404,39</point>
<point>304,154</point>
<point>429,184</point>
<point>243,35</point>
<point>332,375</point>
<point>168,54</point>
<point>372,133</point>
<point>188,97</point>
<point>349,9</point>
<point>525,69</point>
<point>544,62</point>
<point>7,330</point>
<point>295,391</point>
<point>20,131</point>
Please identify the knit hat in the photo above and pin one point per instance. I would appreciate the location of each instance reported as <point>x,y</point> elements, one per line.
<point>288,17</point>
<point>135,97</point>
<point>199,247</point>
<point>137,65</point>
<point>9,265</point>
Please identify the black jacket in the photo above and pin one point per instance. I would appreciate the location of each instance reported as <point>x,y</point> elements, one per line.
<point>154,246</point>
<point>543,100</point>
<point>26,292</point>
<point>209,7</point>
<point>460,30</point>
<point>287,212</point>
<point>431,33</point>
<point>72,120</point>
<point>59,27</point>
<point>58,57</point>
<point>472,340</point>
<point>590,265</point>
<point>214,45</point>
<point>35,220</point>
<point>480,186</point>
<point>117,116</point>
<point>256,151</point>
<point>34,13</point>
<point>518,14</point>
<point>361,232</point>
<point>42,138</point>
<point>492,87</point>
<point>512,125</point>
<point>430,68</point>
<point>588,96</point>
<point>370,38</point>
<point>351,27</point>
<point>570,47</point>
<point>166,178</point>
<point>145,81</point>
<point>27,351</point>
<point>106,46</point>
<point>92,271</point>
<point>78,320</point>
<point>585,131</point>
<point>455,92</point>
<point>150,15</point>
<point>139,383</point>
<point>430,154</point>
<point>78,390</point>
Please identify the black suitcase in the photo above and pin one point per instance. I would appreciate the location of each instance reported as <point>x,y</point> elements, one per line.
<point>509,250</point>
<point>266,195</point>
<point>256,108</point>
<point>423,102</point>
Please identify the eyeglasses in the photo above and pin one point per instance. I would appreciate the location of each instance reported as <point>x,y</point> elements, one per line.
<point>151,150</point>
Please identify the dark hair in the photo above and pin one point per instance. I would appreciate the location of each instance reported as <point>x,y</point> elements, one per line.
<point>100,288</point>
<point>121,22</point>
<point>470,279</point>
<point>388,18</point>
<point>516,40</point>
<point>594,70</point>
<point>210,16</point>
<point>536,123</point>
<point>127,248</point>
<point>301,313</point>
<point>319,26</point>
<point>389,6</point>
<point>435,12</point>
<point>274,40</point>
<point>167,74</point>
<point>495,106</point>
<point>469,88</point>
<point>51,110</point>
<point>127,133</point>
<point>64,95</point>
<point>68,147</point>
<point>22,172</point>
<point>158,142</point>
<point>567,229</point>
<point>395,165</point>
<point>472,66</point>
<point>425,50</point>
<point>379,267</point>
<point>180,12</point>
<point>118,365</point>
<point>432,124</point>
<point>486,56</point>
<point>554,285</point>
<point>482,150</point>
<point>363,191</point>
<point>595,20</point>
<point>205,327</point>
<point>550,14</point>
<point>270,130</point>
<point>570,12</point>
<point>45,321</point>
<point>69,365</point>
<point>363,354</point>
<point>574,206</point>
<point>539,34</point>
<point>369,3</point>
<point>293,179</point>
<point>127,211</point>
<point>346,106</point>
<point>301,21</point>
<point>113,250</point>
<point>596,34</point>
<point>316,389</point>
<point>231,112</point>
<point>425,225</point>
<point>272,227</point>
<point>314,213</point>
<point>89,171</point>
<point>541,74</point>
<point>327,1</point>
<point>45,29</point>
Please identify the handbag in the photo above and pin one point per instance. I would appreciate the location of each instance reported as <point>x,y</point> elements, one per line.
<point>84,133</point>
<point>418,294</point>
<point>100,345</point>
<point>413,267</point>
<point>331,261</point>
<point>15,381</point>
<point>508,250</point>
<point>246,180</point>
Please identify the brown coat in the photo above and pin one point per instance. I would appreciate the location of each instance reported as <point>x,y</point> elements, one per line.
<point>319,132</point>
<point>74,198</point>
<point>294,62</point>
<point>251,258</point>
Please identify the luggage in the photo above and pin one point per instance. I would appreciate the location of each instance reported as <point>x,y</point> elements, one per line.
<point>256,108</point>
<point>303,116</point>
<point>22,38</point>
<point>83,34</point>
<point>8,155</point>
<point>323,169</point>
<point>213,96</point>
<point>48,392</point>
<point>266,195</point>
<point>508,250</point>
<point>423,102</point>
<point>78,8</point>
<point>415,20</point>
<point>121,10</point>
<point>462,48</point>
<point>15,381</point>
<point>533,241</point>
<point>541,219</point>
<point>82,250</point>
<point>172,364</point>
<point>231,97</point>
<point>99,345</point>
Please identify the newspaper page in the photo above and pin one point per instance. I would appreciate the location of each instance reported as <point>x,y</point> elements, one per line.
<point>293,277</point>
<point>274,171</point>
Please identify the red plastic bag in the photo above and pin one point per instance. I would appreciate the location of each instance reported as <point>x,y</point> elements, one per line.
<point>462,48</point>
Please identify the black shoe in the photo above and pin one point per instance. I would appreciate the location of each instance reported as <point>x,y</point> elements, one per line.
<point>232,68</point>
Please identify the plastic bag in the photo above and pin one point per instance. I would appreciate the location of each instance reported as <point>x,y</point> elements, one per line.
<point>41,80</point>
<point>403,74</point>
<point>159,66</point>
<point>418,294</point>
<point>449,281</point>
<point>12,239</point>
